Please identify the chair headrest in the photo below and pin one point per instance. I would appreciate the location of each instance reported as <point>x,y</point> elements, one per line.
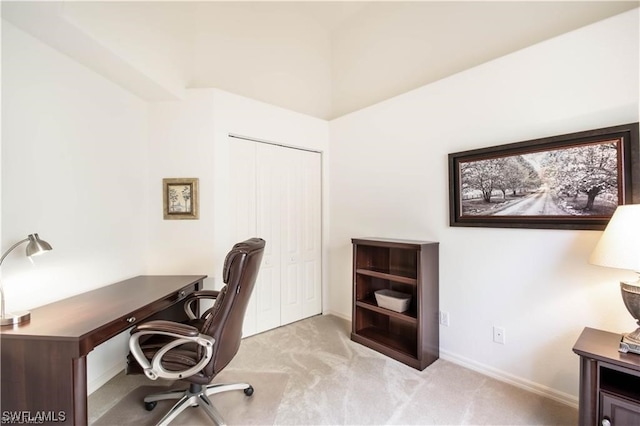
<point>247,247</point>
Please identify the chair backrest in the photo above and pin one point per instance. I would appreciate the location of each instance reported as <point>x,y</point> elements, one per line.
<point>240,271</point>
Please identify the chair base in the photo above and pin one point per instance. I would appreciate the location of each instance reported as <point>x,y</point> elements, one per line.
<point>196,395</point>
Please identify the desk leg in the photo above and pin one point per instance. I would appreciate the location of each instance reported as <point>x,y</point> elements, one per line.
<point>588,402</point>
<point>80,412</point>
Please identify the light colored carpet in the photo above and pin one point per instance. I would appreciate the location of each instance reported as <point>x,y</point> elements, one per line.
<point>237,409</point>
<point>330,380</point>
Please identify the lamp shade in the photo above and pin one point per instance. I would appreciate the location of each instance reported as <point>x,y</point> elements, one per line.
<point>36,246</point>
<point>619,245</point>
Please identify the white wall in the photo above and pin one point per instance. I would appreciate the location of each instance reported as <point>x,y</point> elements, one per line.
<point>74,156</point>
<point>388,178</point>
<point>181,146</point>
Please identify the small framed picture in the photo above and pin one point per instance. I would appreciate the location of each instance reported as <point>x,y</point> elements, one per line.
<point>180,198</point>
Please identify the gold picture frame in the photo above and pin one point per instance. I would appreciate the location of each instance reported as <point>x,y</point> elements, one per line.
<point>180,198</point>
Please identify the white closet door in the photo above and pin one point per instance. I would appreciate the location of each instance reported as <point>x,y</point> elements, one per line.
<point>243,211</point>
<point>269,182</point>
<point>300,235</point>
<point>291,236</point>
<point>311,234</point>
<point>276,195</point>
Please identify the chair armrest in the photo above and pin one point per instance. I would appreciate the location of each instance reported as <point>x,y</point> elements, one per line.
<point>170,327</point>
<point>194,297</point>
<point>212,294</point>
<point>181,334</point>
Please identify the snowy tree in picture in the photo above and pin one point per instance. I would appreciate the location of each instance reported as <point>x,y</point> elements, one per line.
<point>580,180</point>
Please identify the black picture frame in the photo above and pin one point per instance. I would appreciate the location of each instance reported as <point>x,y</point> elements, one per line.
<point>547,183</point>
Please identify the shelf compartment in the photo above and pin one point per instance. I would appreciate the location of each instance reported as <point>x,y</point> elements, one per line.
<point>620,381</point>
<point>390,329</point>
<point>366,286</point>
<point>395,342</point>
<point>391,261</point>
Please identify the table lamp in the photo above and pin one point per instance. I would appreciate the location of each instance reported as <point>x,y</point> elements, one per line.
<point>619,247</point>
<point>35,247</point>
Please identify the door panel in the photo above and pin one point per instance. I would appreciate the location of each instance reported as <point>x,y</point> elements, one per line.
<point>268,185</point>
<point>243,211</point>
<point>312,234</point>
<point>243,196</point>
<point>291,232</point>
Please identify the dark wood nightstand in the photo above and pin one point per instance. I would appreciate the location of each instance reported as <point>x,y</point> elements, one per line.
<point>609,380</point>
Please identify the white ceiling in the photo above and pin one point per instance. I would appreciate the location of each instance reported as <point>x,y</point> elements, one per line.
<point>324,59</point>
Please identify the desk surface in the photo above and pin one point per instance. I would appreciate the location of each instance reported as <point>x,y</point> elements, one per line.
<point>77,316</point>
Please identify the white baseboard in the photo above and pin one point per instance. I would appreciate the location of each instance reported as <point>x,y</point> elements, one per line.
<point>337,314</point>
<point>101,380</point>
<point>503,376</point>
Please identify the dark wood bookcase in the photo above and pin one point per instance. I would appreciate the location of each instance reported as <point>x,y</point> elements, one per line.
<point>410,267</point>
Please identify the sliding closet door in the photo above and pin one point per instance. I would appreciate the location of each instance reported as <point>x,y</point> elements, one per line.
<point>269,184</point>
<point>277,196</point>
<point>300,235</point>
<point>242,211</point>
<point>312,235</point>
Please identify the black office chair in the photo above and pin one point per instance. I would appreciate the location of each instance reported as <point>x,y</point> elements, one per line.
<point>196,351</point>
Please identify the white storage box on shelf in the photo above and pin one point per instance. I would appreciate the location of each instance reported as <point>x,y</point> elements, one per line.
<point>393,300</point>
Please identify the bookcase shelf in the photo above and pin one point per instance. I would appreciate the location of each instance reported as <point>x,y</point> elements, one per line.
<point>409,267</point>
<point>387,276</point>
<point>370,304</point>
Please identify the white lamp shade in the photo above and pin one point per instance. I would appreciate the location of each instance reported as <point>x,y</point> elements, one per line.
<point>619,245</point>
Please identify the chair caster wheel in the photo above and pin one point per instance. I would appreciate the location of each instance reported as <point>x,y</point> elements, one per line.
<point>150,405</point>
<point>249,391</point>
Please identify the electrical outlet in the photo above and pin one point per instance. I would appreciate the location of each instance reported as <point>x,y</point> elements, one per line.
<point>444,318</point>
<point>499,335</point>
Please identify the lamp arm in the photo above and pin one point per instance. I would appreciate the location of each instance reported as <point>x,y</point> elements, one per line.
<point>6,253</point>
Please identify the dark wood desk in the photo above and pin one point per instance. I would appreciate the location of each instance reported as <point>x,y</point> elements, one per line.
<point>609,380</point>
<point>43,364</point>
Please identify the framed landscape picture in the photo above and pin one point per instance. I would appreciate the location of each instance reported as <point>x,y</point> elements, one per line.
<point>180,198</point>
<point>572,181</point>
